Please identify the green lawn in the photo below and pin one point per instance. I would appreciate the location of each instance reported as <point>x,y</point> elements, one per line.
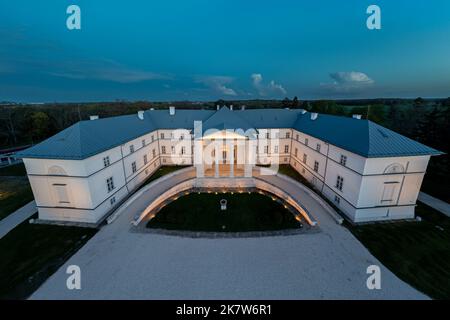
<point>417,252</point>
<point>245,212</point>
<point>31,253</point>
<point>161,171</point>
<point>15,190</point>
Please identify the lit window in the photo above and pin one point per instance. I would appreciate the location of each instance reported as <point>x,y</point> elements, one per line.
<point>339,183</point>
<point>110,184</point>
<point>343,160</point>
<point>337,200</point>
<point>106,161</point>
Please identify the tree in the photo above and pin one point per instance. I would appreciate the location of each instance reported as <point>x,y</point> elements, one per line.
<point>286,103</point>
<point>376,113</point>
<point>295,102</point>
<point>40,124</point>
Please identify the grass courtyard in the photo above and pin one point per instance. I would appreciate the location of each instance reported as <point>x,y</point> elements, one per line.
<point>30,253</point>
<point>245,212</point>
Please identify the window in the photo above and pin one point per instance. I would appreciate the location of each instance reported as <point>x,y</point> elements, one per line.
<point>305,157</point>
<point>106,161</point>
<point>339,183</point>
<point>61,193</point>
<point>343,160</point>
<point>306,141</point>
<point>266,149</point>
<point>133,166</point>
<point>153,138</point>
<point>267,135</point>
<point>154,153</point>
<point>171,135</point>
<point>163,149</point>
<point>277,135</point>
<point>316,166</point>
<point>296,137</point>
<point>172,149</point>
<point>288,135</point>
<point>143,142</point>
<point>295,152</point>
<point>131,148</point>
<point>318,147</point>
<point>146,171</point>
<point>110,184</point>
<point>183,150</point>
<point>286,149</point>
<point>388,191</point>
<point>162,135</point>
<point>112,201</point>
<point>182,137</point>
<point>337,200</point>
<point>145,159</point>
<point>275,149</point>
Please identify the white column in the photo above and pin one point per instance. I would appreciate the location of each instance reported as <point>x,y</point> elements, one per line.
<point>232,158</point>
<point>216,156</point>
<point>248,158</point>
<point>198,156</point>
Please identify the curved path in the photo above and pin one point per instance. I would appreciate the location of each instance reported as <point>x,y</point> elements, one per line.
<point>119,264</point>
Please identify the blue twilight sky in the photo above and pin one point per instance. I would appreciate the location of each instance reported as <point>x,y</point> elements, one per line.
<point>211,49</point>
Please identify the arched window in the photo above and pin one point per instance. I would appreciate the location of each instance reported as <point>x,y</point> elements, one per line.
<point>394,168</point>
<point>57,171</point>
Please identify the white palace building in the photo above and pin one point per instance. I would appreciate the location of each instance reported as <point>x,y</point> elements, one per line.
<point>84,172</point>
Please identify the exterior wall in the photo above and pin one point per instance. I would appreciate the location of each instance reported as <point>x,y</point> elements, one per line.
<point>373,189</point>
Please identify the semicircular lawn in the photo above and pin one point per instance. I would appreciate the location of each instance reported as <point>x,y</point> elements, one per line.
<point>245,212</point>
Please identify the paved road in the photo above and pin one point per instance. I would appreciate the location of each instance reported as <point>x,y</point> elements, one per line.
<point>119,264</point>
<point>14,219</point>
<point>435,203</point>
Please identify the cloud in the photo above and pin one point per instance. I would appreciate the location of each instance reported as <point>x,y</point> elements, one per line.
<point>348,81</point>
<point>106,70</point>
<point>218,84</point>
<point>271,88</point>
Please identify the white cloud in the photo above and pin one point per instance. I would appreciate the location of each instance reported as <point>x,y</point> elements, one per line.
<point>107,70</point>
<point>271,88</point>
<point>218,84</point>
<point>348,81</point>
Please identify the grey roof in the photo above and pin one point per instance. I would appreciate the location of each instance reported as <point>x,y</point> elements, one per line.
<point>90,137</point>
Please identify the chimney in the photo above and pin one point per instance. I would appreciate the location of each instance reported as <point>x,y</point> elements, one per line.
<point>141,114</point>
<point>231,107</point>
<point>172,110</point>
<point>93,117</point>
<point>314,115</point>
<point>357,116</point>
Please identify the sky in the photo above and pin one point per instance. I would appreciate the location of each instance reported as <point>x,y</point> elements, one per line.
<point>223,49</point>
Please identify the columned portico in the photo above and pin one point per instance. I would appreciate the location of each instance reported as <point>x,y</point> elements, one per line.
<point>223,154</point>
